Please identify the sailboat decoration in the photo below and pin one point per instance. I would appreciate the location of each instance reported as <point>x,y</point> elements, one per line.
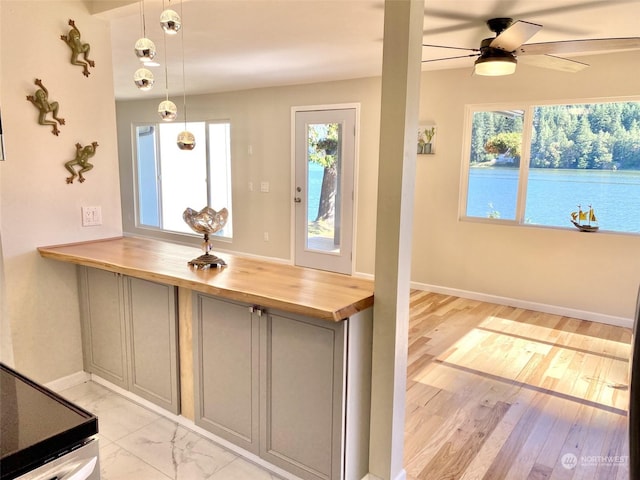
<point>583,220</point>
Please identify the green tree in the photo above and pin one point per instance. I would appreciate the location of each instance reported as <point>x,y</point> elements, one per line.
<point>506,143</point>
<point>323,143</point>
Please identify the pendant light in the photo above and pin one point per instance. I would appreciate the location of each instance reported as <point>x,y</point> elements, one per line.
<point>167,109</point>
<point>186,139</point>
<point>170,20</point>
<point>143,79</point>
<point>144,48</point>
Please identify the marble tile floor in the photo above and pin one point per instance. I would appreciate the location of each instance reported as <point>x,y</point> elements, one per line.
<point>136,443</point>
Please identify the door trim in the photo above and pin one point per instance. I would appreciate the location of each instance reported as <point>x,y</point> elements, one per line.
<point>356,164</point>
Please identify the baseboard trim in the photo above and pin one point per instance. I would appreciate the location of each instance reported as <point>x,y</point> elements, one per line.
<point>538,307</point>
<point>68,381</point>
<point>402,475</point>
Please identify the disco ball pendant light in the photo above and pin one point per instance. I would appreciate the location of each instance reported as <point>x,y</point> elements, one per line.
<point>186,140</point>
<point>170,22</point>
<point>144,48</point>
<point>143,79</point>
<point>167,109</point>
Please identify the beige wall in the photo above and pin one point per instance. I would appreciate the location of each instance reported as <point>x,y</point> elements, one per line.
<point>590,276</point>
<point>593,276</point>
<point>37,206</point>
<point>262,119</point>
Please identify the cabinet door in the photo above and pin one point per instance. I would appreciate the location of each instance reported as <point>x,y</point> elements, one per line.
<point>226,363</point>
<point>302,395</point>
<point>103,326</point>
<point>151,320</point>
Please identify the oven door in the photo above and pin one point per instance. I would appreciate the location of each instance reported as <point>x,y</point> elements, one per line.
<point>79,464</point>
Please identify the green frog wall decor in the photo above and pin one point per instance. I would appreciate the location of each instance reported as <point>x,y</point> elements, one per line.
<point>83,154</point>
<point>41,101</point>
<point>78,48</point>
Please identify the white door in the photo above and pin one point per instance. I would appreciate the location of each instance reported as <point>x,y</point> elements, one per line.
<point>324,188</point>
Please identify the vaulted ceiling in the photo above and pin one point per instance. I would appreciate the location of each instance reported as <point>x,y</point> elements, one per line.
<point>243,44</point>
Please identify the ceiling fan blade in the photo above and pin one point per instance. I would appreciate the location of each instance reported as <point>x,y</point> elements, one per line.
<point>514,36</point>
<point>452,48</point>
<point>580,46</point>
<point>554,63</point>
<point>451,58</point>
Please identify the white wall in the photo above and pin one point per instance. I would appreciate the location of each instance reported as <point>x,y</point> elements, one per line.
<point>37,206</point>
<point>523,264</point>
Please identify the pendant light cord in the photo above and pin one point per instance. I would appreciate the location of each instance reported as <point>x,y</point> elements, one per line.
<point>184,89</point>
<point>166,68</point>
<point>144,21</point>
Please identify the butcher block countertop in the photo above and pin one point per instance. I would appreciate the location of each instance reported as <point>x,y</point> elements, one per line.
<point>314,293</point>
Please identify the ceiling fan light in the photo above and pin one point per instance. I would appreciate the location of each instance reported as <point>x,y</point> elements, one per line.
<point>495,66</point>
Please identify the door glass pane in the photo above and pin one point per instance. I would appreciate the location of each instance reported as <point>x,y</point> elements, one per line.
<point>324,153</point>
<point>494,162</point>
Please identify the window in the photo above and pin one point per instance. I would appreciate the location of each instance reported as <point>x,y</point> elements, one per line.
<point>536,164</point>
<point>168,180</point>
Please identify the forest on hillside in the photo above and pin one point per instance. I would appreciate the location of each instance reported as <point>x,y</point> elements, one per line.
<point>586,136</point>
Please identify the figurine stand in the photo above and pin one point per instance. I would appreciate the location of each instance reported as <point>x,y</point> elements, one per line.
<point>207,260</point>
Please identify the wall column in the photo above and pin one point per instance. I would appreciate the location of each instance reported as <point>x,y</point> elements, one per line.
<point>401,69</point>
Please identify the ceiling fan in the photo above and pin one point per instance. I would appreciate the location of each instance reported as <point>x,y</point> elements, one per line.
<point>497,55</point>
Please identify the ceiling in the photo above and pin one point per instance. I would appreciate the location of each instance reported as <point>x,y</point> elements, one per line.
<point>243,44</point>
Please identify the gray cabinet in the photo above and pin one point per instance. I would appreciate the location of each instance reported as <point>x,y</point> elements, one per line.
<point>129,334</point>
<point>103,325</point>
<point>302,385</point>
<point>276,384</point>
<point>226,370</point>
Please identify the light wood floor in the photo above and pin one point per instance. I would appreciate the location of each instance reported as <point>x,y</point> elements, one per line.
<point>496,392</point>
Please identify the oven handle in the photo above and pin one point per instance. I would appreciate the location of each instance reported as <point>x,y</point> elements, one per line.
<point>78,471</point>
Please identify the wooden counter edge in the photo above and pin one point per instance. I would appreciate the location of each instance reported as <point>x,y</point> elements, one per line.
<point>336,315</point>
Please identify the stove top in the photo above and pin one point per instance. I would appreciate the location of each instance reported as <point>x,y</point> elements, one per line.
<point>37,424</point>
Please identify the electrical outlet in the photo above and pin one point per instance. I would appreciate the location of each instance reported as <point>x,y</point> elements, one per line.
<point>91,216</point>
<point>266,236</point>
<point>264,187</point>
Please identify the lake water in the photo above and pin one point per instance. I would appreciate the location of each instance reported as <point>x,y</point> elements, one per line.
<point>553,194</point>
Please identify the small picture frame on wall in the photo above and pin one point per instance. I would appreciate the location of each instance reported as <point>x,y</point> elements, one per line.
<point>427,139</point>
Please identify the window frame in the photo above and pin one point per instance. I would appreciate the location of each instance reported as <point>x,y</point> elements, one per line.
<point>133,208</point>
<point>523,170</point>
